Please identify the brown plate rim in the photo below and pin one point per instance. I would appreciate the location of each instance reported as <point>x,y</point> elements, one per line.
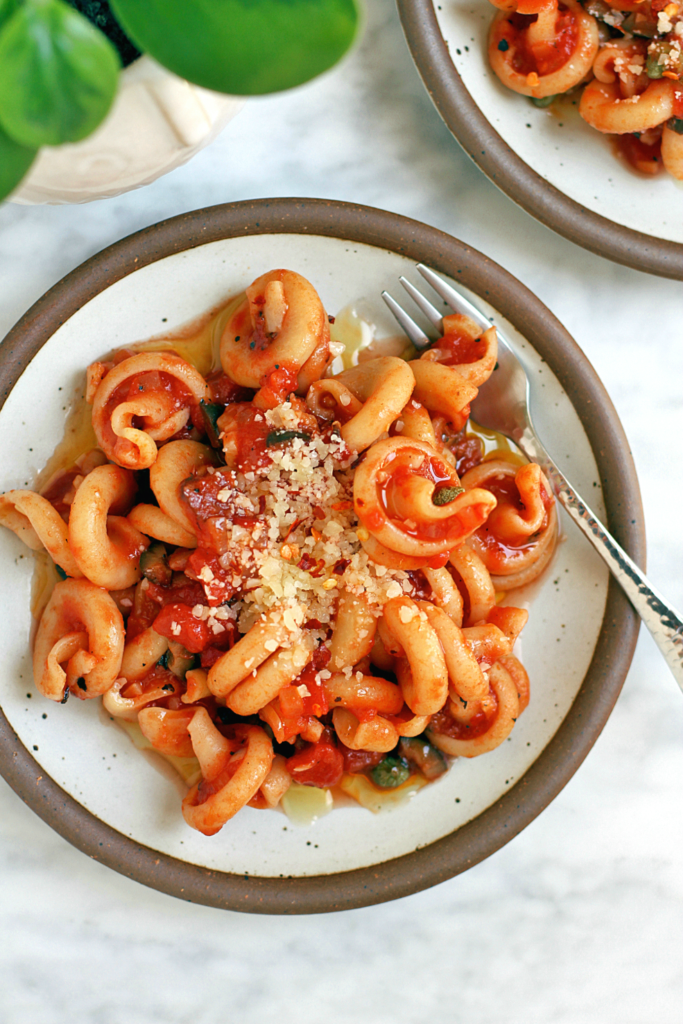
<point>505,169</point>
<point>498,824</point>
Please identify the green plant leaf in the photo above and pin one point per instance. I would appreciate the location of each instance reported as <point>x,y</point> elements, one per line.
<point>244,47</point>
<point>7,9</point>
<point>58,74</point>
<point>15,161</point>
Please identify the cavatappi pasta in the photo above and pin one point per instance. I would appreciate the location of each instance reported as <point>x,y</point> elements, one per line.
<point>626,56</point>
<point>280,574</point>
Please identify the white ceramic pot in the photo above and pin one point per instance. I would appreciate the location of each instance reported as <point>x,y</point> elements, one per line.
<point>158,122</point>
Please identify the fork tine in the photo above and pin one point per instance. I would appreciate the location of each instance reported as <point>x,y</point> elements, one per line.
<point>432,314</point>
<point>413,330</point>
<point>455,300</point>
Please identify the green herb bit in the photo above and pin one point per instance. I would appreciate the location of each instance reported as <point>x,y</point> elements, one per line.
<point>542,101</point>
<point>663,56</point>
<point>60,572</point>
<point>652,66</point>
<point>446,495</point>
<point>211,412</point>
<point>180,663</point>
<point>163,660</point>
<point>638,24</point>
<point>154,566</point>
<point>282,436</point>
<point>417,750</point>
<point>676,125</point>
<point>391,772</point>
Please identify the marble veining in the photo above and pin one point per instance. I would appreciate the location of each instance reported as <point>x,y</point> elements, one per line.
<point>578,920</point>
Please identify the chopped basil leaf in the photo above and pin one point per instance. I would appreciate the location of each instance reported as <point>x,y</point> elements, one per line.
<point>542,101</point>
<point>446,495</point>
<point>282,436</point>
<point>210,414</point>
<point>60,572</point>
<point>676,125</point>
<point>652,66</point>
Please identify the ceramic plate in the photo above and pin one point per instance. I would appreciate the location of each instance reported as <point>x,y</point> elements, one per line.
<point>82,774</point>
<point>549,161</point>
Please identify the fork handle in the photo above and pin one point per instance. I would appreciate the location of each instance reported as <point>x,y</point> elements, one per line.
<point>663,622</point>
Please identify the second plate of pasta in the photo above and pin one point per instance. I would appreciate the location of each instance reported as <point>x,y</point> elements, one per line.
<point>306,677</point>
<point>527,133</point>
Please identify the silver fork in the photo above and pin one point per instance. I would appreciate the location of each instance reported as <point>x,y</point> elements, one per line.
<point>503,405</point>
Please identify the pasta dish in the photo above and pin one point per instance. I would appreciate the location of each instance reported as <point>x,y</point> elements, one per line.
<point>626,54</point>
<point>286,571</point>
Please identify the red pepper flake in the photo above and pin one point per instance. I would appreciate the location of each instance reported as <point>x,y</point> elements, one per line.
<point>306,562</point>
<point>292,527</point>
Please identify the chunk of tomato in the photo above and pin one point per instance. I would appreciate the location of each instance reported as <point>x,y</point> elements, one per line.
<point>176,622</point>
<point>318,764</point>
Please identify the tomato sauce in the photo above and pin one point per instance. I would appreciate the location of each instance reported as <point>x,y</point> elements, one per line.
<point>157,678</point>
<point>543,58</point>
<point>217,582</point>
<point>500,553</point>
<point>150,599</point>
<point>359,762</point>
<point>296,707</point>
<point>60,488</point>
<point>211,496</point>
<point>219,645</point>
<point>641,157</point>
<point>211,502</point>
<point>317,764</point>
<point>207,789</point>
<point>276,386</point>
<point>459,348</point>
<point>468,453</point>
<point>176,622</point>
<point>245,433</point>
<point>224,391</point>
<point>443,722</point>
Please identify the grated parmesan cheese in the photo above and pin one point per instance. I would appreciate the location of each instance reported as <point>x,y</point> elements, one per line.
<point>305,544</point>
<point>407,614</point>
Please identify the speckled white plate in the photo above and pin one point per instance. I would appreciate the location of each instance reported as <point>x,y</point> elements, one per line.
<point>119,798</point>
<point>549,161</point>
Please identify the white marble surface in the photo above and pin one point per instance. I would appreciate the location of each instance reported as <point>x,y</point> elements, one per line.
<point>578,920</point>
